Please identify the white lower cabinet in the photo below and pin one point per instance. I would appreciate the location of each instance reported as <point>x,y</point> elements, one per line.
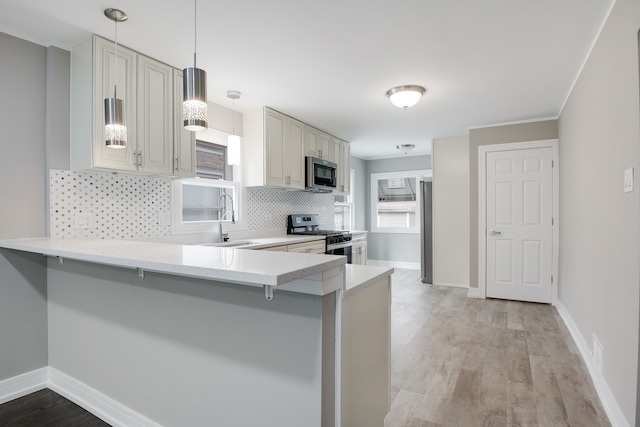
<point>315,247</point>
<point>359,249</point>
<point>312,247</point>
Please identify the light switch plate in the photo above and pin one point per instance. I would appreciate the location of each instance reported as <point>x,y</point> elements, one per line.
<point>628,180</point>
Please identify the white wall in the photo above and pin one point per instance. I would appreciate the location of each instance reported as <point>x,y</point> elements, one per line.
<point>600,224</point>
<point>23,304</point>
<point>451,211</point>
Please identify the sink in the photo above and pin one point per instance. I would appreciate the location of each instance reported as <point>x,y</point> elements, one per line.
<point>236,244</point>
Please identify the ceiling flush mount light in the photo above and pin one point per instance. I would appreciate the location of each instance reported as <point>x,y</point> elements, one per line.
<point>405,147</point>
<point>233,141</point>
<point>115,129</point>
<point>194,107</point>
<point>405,96</point>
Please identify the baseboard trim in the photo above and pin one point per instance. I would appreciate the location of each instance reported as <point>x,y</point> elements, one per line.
<point>99,404</point>
<point>609,403</point>
<point>474,293</point>
<point>452,285</point>
<point>21,385</point>
<point>394,264</point>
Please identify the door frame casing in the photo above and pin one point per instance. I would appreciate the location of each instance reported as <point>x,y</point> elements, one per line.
<point>481,291</point>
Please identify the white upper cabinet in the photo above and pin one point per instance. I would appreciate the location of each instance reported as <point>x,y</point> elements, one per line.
<point>342,157</point>
<point>184,142</point>
<point>94,61</point>
<point>155,116</point>
<point>317,143</point>
<point>274,150</point>
<point>154,143</point>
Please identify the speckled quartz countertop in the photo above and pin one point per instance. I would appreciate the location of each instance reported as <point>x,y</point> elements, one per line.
<point>247,267</point>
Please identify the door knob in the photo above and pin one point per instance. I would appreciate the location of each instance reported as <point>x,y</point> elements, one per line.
<point>494,233</point>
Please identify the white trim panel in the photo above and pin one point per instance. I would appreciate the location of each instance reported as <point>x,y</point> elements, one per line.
<point>394,264</point>
<point>99,404</point>
<point>611,407</point>
<point>452,285</point>
<point>22,385</point>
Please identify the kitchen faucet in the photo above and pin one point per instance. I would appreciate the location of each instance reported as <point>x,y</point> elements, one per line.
<point>223,237</point>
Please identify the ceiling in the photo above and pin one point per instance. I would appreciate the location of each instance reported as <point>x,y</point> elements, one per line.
<point>329,63</point>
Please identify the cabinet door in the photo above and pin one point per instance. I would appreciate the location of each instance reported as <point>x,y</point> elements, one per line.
<point>104,66</point>
<point>315,247</point>
<point>295,153</point>
<point>282,248</point>
<point>155,116</point>
<point>336,151</point>
<point>359,253</point>
<point>311,141</point>
<point>324,146</point>
<point>275,153</point>
<point>184,142</point>
<point>345,167</point>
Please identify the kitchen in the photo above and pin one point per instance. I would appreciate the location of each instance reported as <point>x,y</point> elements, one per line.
<point>29,167</point>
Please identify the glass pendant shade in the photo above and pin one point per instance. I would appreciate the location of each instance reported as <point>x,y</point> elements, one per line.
<point>194,107</point>
<point>233,150</point>
<point>405,96</point>
<point>115,131</point>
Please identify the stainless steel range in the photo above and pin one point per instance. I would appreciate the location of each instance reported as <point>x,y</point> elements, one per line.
<point>337,242</point>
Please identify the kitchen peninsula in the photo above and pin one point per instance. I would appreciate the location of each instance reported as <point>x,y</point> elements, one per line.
<point>174,334</point>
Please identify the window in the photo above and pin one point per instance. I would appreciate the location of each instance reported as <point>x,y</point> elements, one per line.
<point>198,203</point>
<point>395,201</point>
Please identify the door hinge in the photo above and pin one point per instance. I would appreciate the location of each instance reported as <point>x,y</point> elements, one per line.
<point>551,279</point>
<point>553,164</point>
<point>552,221</point>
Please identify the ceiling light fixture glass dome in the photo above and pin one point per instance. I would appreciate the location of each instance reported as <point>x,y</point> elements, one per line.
<point>405,96</point>
<point>405,147</point>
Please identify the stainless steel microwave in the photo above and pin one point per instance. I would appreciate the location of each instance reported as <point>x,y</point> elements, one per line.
<point>321,175</point>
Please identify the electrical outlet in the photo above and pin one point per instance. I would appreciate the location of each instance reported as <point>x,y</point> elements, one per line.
<point>628,180</point>
<point>164,218</point>
<point>83,221</point>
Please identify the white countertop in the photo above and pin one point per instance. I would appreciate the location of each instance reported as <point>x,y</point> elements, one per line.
<point>358,277</point>
<point>206,262</point>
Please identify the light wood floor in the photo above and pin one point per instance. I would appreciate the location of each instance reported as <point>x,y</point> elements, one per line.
<point>458,361</point>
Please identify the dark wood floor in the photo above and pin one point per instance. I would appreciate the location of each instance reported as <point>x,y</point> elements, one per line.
<point>46,408</point>
<point>458,361</point>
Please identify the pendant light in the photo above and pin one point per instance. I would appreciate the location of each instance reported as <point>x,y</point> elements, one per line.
<point>115,129</point>
<point>233,141</point>
<point>194,107</point>
<point>405,96</point>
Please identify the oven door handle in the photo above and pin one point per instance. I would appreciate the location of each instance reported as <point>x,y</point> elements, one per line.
<point>338,246</point>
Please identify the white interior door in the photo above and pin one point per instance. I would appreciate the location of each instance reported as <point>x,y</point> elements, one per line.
<point>519,204</point>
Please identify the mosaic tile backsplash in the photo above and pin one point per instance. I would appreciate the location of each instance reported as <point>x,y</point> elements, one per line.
<point>108,206</point>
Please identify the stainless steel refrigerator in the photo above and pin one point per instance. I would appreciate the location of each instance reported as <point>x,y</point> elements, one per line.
<point>426,231</point>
